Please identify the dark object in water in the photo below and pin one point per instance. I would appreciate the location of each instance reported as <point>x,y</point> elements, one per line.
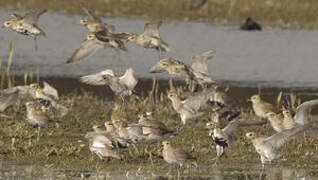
<point>251,25</point>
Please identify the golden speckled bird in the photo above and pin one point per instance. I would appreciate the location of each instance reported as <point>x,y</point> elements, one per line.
<point>26,24</point>
<point>94,42</point>
<point>267,147</point>
<point>49,102</point>
<point>223,138</point>
<point>150,38</point>
<point>14,95</point>
<point>276,121</point>
<point>261,108</point>
<point>189,108</point>
<point>196,73</point>
<point>94,23</point>
<point>222,115</point>
<point>110,128</point>
<point>174,155</point>
<point>36,117</point>
<point>153,129</point>
<point>220,96</point>
<point>118,114</point>
<point>105,145</point>
<point>122,86</point>
<point>131,132</point>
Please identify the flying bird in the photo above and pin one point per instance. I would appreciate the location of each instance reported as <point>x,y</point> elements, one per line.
<point>122,86</point>
<point>27,24</point>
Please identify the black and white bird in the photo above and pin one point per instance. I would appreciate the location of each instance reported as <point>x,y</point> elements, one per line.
<point>223,138</point>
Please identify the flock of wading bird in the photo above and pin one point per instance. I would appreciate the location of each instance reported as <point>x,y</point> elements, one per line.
<point>288,120</point>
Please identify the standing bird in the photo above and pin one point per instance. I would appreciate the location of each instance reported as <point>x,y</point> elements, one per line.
<point>154,129</point>
<point>36,117</point>
<point>223,115</point>
<point>27,24</point>
<point>220,97</point>
<point>150,38</point>
<point>173,155</point>
<point>261,108</point>
<point>267,147</point>
<point>119,114</point>
<point>196,73</point>
<point>276,121</point>
<point>103,144</point>
<point>189,108</point>
<point>122,86</point>
<point>131,132</point>
<point>94,42</point>
<point>12,96</point>
<point>223,138</point>
<point>94,23</point>
<point>301,117</point>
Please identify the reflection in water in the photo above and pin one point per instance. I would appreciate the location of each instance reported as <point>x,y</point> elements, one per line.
<point>9,170</point>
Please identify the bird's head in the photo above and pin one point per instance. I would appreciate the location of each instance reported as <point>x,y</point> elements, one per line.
<point>271,115</point>
<point>84,21</point>
<point>91,37</point>
<point>250,135</point>
<point>255,99</point>
<point>165,144</point>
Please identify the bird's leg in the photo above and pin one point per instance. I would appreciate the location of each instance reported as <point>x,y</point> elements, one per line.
<point>159,54</point>
<point>263,160</point>
<point>39,129</point>
<point>35,44</point>
<point>219,151</point>
<point>123,104</point>
<point>262,175</point>
<point>118,55</point>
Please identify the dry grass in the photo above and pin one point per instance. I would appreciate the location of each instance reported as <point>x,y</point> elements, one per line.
<point>285,13</point>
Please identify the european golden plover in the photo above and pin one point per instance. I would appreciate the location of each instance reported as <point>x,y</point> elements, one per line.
<point>102,138</point>
<point>122,86</point>
<point>94,42</point>
<point>12,96</point>
<point>150,38</point>
<point>267,147</point>
<point>261,108</point>
<point>173,155</point>
<point>189,108</point>
<point>223,138</point>
<point>119,113</point>
<point>220,96</point>
<point>154,130</point>
<point>36,117</point>
<point>26,24</point>
<point>94,23</point>
<point>131,132</point>
<point>196,73</point>
<point>223,115</point>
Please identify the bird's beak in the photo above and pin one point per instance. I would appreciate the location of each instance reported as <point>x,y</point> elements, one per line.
<point>156,69</point>
<point>248,100</point>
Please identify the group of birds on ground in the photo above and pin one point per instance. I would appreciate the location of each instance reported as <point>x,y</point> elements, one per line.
<point>201,90</point>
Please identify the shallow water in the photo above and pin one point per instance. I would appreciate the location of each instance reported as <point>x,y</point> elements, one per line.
<point>10,170</point>
<point>275,57</point>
